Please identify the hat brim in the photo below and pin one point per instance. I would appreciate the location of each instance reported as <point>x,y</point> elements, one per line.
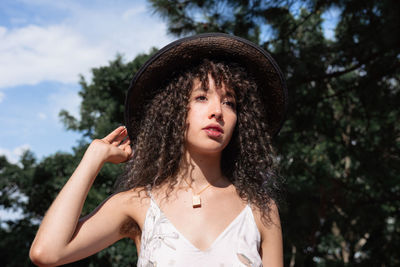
<point>192,50</point>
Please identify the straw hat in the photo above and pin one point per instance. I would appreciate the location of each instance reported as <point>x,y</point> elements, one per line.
<point>191,50</point>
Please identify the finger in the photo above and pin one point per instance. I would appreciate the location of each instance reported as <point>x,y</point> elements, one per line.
<point>128,150</point>
<point>125,142</point>
<point>125,146</point>
<point>121,138</point>
<point>114,134</point>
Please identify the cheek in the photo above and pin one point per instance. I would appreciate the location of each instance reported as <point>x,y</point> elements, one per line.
<point>191,120</point>
<point>196,114</point>
<point>231,126</point>
<point>233,121</point>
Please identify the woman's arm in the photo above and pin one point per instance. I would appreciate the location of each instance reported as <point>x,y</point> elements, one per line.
<point>61,238</point>
<point>271,239</point>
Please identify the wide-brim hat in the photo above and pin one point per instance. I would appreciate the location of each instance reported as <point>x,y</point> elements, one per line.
<point>183,53</point>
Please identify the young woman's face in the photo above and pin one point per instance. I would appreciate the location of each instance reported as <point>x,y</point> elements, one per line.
<point>211,118</point>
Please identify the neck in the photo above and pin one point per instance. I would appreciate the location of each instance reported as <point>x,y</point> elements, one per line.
<point>199,170</point>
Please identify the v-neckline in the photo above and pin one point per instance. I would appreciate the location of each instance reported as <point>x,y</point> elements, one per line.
<point>220,235</point>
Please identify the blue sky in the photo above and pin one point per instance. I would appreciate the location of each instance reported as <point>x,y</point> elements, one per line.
<point>44,46</point>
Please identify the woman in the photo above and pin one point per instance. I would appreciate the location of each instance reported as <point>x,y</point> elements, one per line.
<point>201,183</point>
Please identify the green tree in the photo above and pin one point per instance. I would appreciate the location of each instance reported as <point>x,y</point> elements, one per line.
<point>340,144</point>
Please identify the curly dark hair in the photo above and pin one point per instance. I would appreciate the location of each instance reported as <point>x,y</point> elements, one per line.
<point>249,160</point>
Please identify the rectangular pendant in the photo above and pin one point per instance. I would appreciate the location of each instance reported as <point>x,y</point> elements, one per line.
<point>196,201</point>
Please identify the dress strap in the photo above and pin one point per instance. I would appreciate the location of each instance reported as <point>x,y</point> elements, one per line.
<point>148,190</point>
<point>152,200</point>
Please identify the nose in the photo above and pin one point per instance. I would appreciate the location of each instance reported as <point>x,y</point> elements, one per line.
<point>215,110</point>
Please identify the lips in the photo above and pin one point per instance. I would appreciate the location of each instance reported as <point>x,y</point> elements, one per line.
<point>214,130</point>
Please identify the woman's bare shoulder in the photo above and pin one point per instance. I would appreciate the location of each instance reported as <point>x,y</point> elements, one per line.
<point>271,250</point>
<point>268,220</point>
<point>132,201</point>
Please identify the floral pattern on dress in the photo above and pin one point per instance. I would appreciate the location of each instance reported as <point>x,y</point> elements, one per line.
<point>153,235</point>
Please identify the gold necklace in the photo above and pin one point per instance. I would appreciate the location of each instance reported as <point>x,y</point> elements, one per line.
<point>196,200</point>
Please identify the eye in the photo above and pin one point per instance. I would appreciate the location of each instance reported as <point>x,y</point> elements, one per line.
<point>229,103</point>
<point>201,98</point>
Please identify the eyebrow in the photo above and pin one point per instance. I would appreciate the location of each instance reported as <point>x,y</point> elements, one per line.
<point>230,93</point>
<point>227,93</point>
<point>199,88</point>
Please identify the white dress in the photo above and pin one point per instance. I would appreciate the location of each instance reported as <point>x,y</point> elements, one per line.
<point>163,245</point>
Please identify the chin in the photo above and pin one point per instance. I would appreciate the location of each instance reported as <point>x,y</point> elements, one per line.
<point>209,150</point>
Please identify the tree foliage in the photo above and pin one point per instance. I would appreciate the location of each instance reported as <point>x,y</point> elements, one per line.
<point>340,144</point>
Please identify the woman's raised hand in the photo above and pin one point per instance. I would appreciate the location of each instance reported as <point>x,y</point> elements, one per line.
<point>115,147</point>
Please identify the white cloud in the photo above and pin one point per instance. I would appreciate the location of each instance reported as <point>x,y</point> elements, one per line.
<point>14,155</point>
<point>33,54</point>
<point>2,95</point>
<point>87,37</point>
